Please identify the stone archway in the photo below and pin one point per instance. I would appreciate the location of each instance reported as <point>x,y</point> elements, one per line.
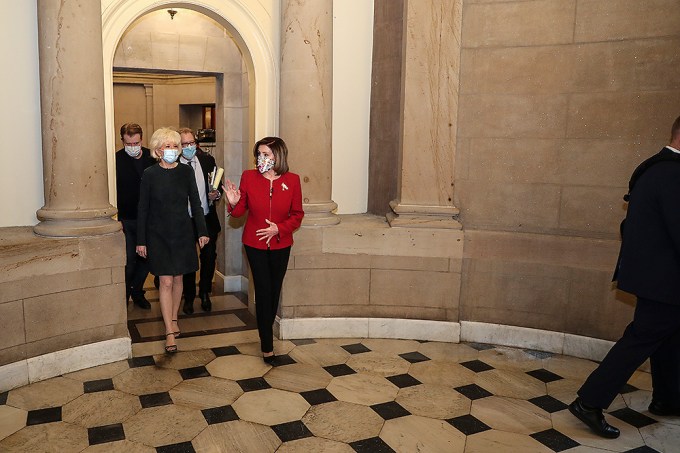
<point>252,29</point>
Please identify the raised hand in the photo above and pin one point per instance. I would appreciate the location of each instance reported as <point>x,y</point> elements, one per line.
<point>232,191</point>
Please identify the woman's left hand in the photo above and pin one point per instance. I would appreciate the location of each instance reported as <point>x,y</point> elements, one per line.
<point>269,232</point>
<point>203,240</point>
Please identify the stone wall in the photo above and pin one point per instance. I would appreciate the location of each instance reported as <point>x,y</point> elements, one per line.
<point>386,81</point>
<point>559,101</point>
<point>58,294</point>
<point>364,268</point>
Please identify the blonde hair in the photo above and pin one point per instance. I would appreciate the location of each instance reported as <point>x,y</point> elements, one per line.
<point>161,136</point>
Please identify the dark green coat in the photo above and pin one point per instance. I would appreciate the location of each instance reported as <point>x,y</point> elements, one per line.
<point>163,222</point>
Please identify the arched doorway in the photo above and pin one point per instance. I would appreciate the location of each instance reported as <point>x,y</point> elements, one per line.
<point>250,27</point>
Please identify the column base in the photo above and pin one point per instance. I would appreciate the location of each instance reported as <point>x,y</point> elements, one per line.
<point>423,216</point>
<point>90,222</point>
<point>320,214</point>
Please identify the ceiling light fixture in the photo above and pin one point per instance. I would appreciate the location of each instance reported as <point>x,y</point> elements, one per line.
<point>172,13</point>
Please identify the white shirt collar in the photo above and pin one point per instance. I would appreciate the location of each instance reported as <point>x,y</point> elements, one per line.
<point>673,149</point>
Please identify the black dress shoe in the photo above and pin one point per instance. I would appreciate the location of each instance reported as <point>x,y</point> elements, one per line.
<point>269,360</point>
<point>663,409</point>
<point>141,302</point>
<point>206,304</point>
<point>594,419</point>
<point>188,306</point>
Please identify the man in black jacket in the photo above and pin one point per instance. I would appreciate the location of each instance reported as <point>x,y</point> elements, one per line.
<point>131,161</point>
<point>203,165</point>
<point>649,267</point>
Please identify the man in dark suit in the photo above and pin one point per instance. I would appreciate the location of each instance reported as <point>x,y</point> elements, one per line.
<point>203,164</point>
<point>131,161</point>
<point>649,267</point>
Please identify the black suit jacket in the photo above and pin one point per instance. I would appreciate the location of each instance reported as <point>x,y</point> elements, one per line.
<point>212,220</point>
<point>650,247</point>
<point>128,180</point>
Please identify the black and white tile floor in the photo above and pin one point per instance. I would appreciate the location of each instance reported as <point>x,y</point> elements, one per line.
<point>325,395</point>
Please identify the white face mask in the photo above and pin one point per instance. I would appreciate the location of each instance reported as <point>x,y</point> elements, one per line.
<point>133,151</point>
<point>170,155</point>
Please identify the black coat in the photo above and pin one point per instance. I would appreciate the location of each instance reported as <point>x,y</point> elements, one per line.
<point>128,178</point>
<point>650,247</point>
<point>212,220</point>
<point>163,222</point>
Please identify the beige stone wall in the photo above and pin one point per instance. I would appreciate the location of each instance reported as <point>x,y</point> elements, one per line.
<point>191,41</point>
<point>386,81</point>
<point>559,101</point>
<point>130,107</point>
<point>59,293</point>
<point>364,268</point>
<point>168,97</point>
<point>161,106</point>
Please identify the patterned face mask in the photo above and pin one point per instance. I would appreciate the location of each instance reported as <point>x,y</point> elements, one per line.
<point>264,163</point>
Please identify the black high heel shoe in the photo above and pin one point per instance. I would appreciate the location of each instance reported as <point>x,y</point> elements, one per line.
<point>171,349</point>
<point>269,360</point>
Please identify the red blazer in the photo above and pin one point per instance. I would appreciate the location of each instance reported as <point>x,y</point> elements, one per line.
<point>280,203</point>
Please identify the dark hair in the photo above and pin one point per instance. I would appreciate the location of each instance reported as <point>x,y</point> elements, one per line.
<point>280,151</point>
<point>131,129</point>
<point>675,130</point>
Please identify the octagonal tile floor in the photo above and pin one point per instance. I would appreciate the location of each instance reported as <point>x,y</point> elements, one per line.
<point>330,395</point>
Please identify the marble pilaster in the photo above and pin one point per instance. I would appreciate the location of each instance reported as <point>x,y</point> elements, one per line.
<point>306,102</point>
<point>148,96</point>
<point>430,79</point>
<point>73,126</point>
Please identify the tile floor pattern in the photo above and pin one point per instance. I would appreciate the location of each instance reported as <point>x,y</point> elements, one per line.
<point>325,395</point>
<point>229,314</point>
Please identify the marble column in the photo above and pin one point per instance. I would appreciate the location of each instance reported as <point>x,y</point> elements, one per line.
<point>73,130</point>
<point>305,105</point>
<point>430,78</point>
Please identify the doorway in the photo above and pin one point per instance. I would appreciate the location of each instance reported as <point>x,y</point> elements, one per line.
<point>182,71</point>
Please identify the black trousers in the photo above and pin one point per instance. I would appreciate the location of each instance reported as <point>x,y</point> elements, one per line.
<point>207,258</point>
<point>654,334</point>
<point>136,267</point>
<point>268,268</point>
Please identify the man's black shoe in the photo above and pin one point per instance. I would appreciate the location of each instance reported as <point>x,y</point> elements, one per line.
<point>141,302</point>
<point>206,304</point>
<point>663,409</point>
<point>594,419</point>
<point>188,306</point>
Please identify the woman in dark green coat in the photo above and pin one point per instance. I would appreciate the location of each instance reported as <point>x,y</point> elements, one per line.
<point>165,231</point>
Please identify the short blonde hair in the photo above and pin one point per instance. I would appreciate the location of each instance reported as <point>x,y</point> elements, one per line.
<point>161,136</point>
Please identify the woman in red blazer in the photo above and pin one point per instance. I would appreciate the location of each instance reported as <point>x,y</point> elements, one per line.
<point>273,198</point>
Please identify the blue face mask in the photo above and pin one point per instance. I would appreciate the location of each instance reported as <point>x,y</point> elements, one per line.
<point>189,152</point>
<point>170,155</point>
